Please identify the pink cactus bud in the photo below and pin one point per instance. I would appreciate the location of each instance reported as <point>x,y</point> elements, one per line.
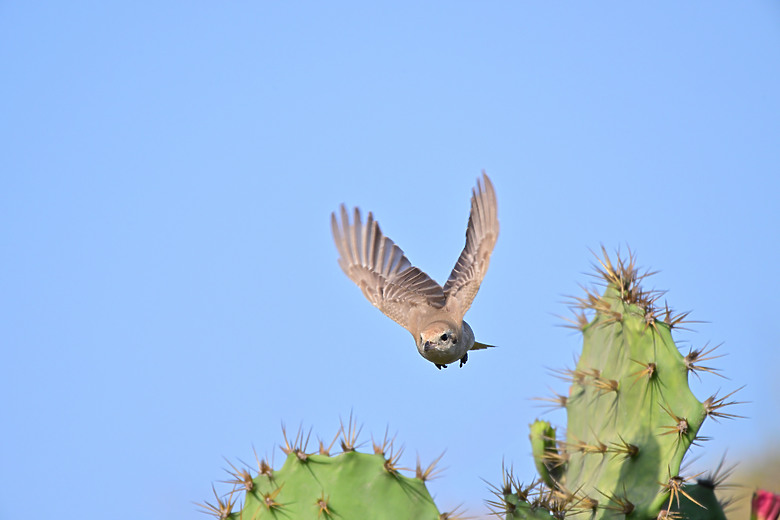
<point>765,505</point>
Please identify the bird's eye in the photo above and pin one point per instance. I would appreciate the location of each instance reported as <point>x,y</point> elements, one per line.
<point>454,340</point>
<point>444,337</point>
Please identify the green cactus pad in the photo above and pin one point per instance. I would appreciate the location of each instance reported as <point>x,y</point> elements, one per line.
<point>631,414</point>
<point>320,486</point>
<point>546,457</point>
<point>343,486</point>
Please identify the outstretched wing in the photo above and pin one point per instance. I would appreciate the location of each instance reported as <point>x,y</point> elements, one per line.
<point>381,270</point>
<point>481,235</point>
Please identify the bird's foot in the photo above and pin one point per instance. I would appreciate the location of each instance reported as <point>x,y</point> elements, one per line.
<point>440,366</point>
<point>464,359</point>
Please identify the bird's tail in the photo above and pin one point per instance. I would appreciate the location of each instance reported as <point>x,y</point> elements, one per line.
<point>481,346</point>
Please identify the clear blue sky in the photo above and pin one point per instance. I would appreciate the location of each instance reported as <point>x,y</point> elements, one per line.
<point>170,291</point>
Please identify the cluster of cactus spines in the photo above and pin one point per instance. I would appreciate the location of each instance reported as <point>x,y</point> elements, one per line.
<point>631,414</point>
<point>320,485</point>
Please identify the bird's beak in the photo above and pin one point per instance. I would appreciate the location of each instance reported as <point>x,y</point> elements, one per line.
<point>427,346</point>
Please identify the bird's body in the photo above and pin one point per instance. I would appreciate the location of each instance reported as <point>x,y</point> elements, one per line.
<point>431,313</point>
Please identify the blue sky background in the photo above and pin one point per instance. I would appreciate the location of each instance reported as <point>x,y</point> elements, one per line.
<point>170,291</point>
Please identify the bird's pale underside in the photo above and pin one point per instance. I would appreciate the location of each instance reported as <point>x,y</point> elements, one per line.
<point>432,313</point>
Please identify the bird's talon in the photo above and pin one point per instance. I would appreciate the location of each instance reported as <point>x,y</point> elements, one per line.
<point>464,359</point>
<point>440,366</point>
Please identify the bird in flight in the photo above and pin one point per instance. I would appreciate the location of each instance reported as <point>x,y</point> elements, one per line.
<point>432,313</point>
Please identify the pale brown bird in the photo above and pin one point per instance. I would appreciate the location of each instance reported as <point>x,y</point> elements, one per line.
<point>432,313</point>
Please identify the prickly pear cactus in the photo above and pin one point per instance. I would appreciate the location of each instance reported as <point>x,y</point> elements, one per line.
<point>631,415</point>
<point>321,486</point>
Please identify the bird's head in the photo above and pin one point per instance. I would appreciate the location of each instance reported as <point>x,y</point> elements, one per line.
<point>439,335</point>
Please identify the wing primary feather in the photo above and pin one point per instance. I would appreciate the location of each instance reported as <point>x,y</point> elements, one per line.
<point>354,234</point>
<point>364,242</point>
<point>480,203</point>
<point>346,238</point>
<point>341,241</point>
<point>381,252</point>
<point>397,260</point>
<point>387,261</point>
<point>372,242</point>
<point>334,227</point>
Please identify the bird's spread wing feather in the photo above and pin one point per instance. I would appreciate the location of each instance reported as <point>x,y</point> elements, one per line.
<point>481,235</point>
<point>380,269</point>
